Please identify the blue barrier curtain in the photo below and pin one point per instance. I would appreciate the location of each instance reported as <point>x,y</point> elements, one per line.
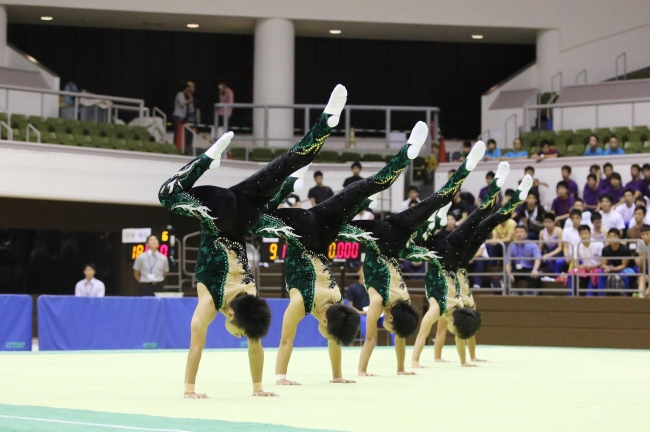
<point>15,323</point>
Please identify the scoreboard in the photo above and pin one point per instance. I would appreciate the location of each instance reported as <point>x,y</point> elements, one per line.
<point>137,242</point>
<point>274,250</point>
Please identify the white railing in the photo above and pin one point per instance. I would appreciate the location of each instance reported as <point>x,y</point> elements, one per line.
<point>624,57</point>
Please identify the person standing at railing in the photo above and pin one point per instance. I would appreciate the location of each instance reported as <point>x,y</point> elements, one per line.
<point>150,268</point>
<point>525,258</point>
<point>183,112</point>
<point>617,264</point>
<point>643,252</point>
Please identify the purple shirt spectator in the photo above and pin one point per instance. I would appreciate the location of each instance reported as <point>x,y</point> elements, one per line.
<point>591,197</point>
<point>562,206</point>
<point>604,185</point>
<point>645,187</point>
<point>573,188</point>
<point>635,185</point>
<point>616,194</point>
<point>483,193</point>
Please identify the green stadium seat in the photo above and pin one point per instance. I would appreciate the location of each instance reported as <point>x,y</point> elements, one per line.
<point>59,129</point>
<point>88,124</point>
<point>641,130</point>
<point>585,132</point>
<point>106,126</point>
<point>136,145</point>
<point>66,139</point>
<point>579,139</point>
<point>18,118</point>
<point>328,156</point>
<point>112,133</point>
<point>18,134</point>
<point>575,150</point>
<point>620,131</point>
<point>55,120</point>
<point>261,154</point>
<point>121,127</point>
<point>238,153</point>
<point>633,146</point>
<point>373,157</point>
<point>603,134</point>
<point>143,136</point>
<point>350,157</point>
<point>78,130</point>
<point>562,140</point>
<point>119,143</point>
<point>4,116</point>
<point>72,122</point>
<point>97,133</point>
<point>561,147</point>
<point>646,147</point>
<point>84,140</point>
<point>36,119</point>
<point>153,147</point>
<point>100,141</point>
<point>170,148</point>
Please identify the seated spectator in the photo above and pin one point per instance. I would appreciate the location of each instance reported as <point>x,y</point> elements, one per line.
<point>579,204</point>
<point>531,214</point>
<point>461,156</point>
<point>516,152</point>
<point>489,178</point>
<point>611,218</point>
<point>592,147</point>
<point>551,249</point>
<point>645,183</point>
<point>598,231</point>
<point>591,193</point>
<point>640,201</point>
<point>291,201</point>
<point>643,252</point>
<point>640,218</point>
<point>636,184</point>
<point>536,183</point>
<point>492,152</point>
<point>459,209</point>
<point>604,184</point>
<point>451,224</point>
<point>525,258</point>
<point>587,258</point>
<point>616,188</point>
<point>412,267</point>
<point>626,207</point>
<point>356,170</point>
<point>413,195</point>
<point>450,173</point>
<point>613,148</point>
<point>571,185</point>
<point>366,215</point>
<point>615,263</point>
<point>571,235</point>
<point>320,192</point>
<point>89,286</point>
<point>506,196</point>
<point>504,232</point>
<point>563,203</point>
<point>357,296</point>
<point>546,151</point>
<point>478,266</point>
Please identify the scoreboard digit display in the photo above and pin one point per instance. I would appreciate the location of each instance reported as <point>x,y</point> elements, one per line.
<point>275,250</point>
<point>138,246</point>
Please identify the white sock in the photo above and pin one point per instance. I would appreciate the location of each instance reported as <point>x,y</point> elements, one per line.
<point>300,175</point>
<point>217,148</point>
<point>373,201</point>
<point>417,139</point>
<point>442,214</point>
<point>474,156</point>
<point>502,173</point>
<point>336,103</point>
<point>433,216</point>
<point>525,186</point>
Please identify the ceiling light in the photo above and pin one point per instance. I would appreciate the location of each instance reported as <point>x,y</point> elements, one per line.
<point>192,25</point>
<point>46,18</point>
<point>335,31</point>
<point>477,36</point>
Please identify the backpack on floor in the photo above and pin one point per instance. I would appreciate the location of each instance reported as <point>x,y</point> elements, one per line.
<point>615,282</point>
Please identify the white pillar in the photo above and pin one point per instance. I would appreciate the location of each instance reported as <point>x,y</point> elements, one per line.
<point>3,36</point>
<point>548,59</point>
<point>273,81</point>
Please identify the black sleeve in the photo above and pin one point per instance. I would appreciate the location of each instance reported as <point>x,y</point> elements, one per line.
<point>330,193</point>
<point>311,193</point>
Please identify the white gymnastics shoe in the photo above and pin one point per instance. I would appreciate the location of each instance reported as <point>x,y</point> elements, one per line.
<point>417,139</point>
<point>433,216</point>
<point>442,214</point>
<point>502,173</point>
<point>474,156</point>
<point>373,201</point>
<point>300,175</point>
<point>217,148</point>
<point>525,186</point>
<point>336,104</point>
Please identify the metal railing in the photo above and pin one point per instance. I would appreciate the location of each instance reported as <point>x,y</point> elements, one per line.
<point>582,72</point>
<point>36,131</point>
<point>431,113</point>
<point>186,127</point>
<point>553,92</point>
<point>513,274</point>
<point>515,128</point>
<point>10,131</point>
<point>624,56</point>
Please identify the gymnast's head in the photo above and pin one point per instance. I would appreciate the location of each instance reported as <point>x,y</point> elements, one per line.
<point>249,316</point>
<point>402,319</point>
<point>341,324</point>
<point>465,322</point>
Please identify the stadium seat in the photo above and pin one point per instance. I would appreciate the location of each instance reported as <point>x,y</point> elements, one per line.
<point>585,132</point>
<point>641,130</point>
<point>100,141</point>
<point>579,139</point>
<point>621,131</point>
<point>646,147</point>
<point>603,134</point>
<point>328,156</point>
<point>561,147</point>
<point>84,140</point>
<point>18,118</point>
<point>170,148</point>
<point>66,139</point>
<point>633,146</point>
<point>154,147</point>
<point>238,153</point>
<point>105,126</point>
<point>261,154</point>
<point>136,145</point>
<point>78,130</point>
<point>4,116</point>
<point>88,124</point>
<point>121,127</point>
<point>49,138</point>
<point>36,119</point>
<point>119,143</point>
<point>575,150</point>
<point>72,122</point>
<point>373,157</point>
<point>563,140</point>
<point>350,157</point>
<point>97,133</point>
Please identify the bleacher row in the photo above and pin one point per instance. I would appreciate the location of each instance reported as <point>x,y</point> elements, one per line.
<point>573,143</point>
<point>265,154</point>
<point>73,132</point>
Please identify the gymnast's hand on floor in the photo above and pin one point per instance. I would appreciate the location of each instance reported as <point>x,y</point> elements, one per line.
<point>477,360</point>
<point>468,365</point>
<point>262,393</point>
<point>194,395</point>
<point>367,374</point>
<point>342,380</point>
<point>286,382</point>
<point>405,373</point>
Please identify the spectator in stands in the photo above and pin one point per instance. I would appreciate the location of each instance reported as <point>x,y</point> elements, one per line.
<point>413,195</point>
<point>563,203</point>
<point>598,231</point>
<point>525,258</point>
<point>611,218</point>
<point>150,268</point>
<point>450,173</point>
<point>571,185</point>
<point>636,184</point>
<point>478,266</point>
<point>571,235</point>
<point>489,178</point>
<point>462,155</point>
<point>546,151</point>
<point>459,209</point>
<point>183,112</point>
<point>613,148</point>
<point>592,147</point>
<point>492,151</point>
<point>616,189</point>
<point>640,201</point>
<point>451,224</point>
<point>320,192</point>
<point>226,95</point>
<point>641,262</point>
<point>504,232</point>
<point>506,196</point>
<point>89,286</point>
<point>364,215</point>
<point>531,215</point>
<point>357,294</point>
<point>646,218</point>
<point>645,188</point>
<point>626,207</point>
<point>536,183</point>
<point>579,204</point>
<point>516,152</point>
<point>591,193</point>
<point>637,223</point>
<point>616,261</point>
<point>291,201</point>
<point>587,258</point>
<point>605,184</point>
<point>356,170</point>
<point>551,248</point>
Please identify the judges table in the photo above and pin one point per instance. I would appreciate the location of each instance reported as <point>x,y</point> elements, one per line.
<point>83,323</point>
<point>15,323</point>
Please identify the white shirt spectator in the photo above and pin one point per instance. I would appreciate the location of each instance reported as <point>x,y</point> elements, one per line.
<point>626,212</point>
<point>613,219</point>
<point>364,215</point>
<point>90,288</point>
<point>646,221</point>
<point>152,267</point>
<point>571,235</point>
<point>407,202</point>
<point>589,254</point>
<point>586,220</point>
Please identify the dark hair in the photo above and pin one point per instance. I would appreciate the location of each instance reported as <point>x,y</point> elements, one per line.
<point>549,216</point>
<point>593,176</point>
<point>562,183</point>
<point>529,168</point>
<point>607,197</point>
<point>567,167</point>
<point>151,235</point>
<point>575,212</point>
<point>596,216</point>
<point>578,200</point>
<point>413,202</point>
<point>318,173</point>
<point>644,228</point>
<point>532,194</point>
<point>342,323</point>
<point>595,136</point>
<point>612,136</point>
<point>545,142</point>
<point>628,190</point>
<point>640,198</point>
<point>414,188</point>
<point>636,166</point>
<point>584,228</point>
<point>467,322</point>
<point>614,231</point>
<point>594,167</point>
<point>509,192</point>
<point>405,319</point>
<point>91,265</point>
<point>523,227</point>
<point>490,174</point>
<point>452,171</point>
<point>615,176</point>
<point>252,314</point>
<point>467,143</point>
<point>356,164</point>
<point>607,164</point>
<point>646,166</point>
<point>642,208</point>
<point>491,141</point>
